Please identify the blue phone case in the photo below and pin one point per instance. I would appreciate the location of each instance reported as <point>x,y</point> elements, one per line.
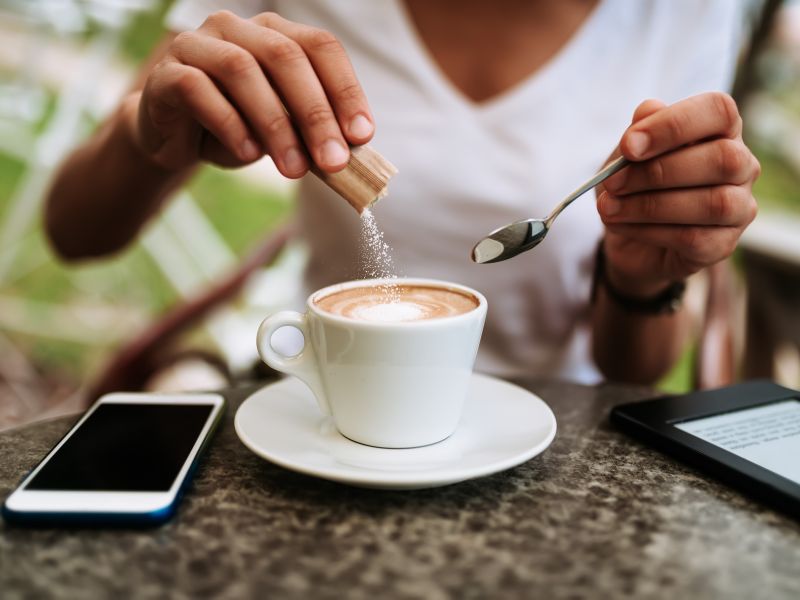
<point>97,519</point>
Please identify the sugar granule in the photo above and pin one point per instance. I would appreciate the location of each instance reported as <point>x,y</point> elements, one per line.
<point>376,256</point>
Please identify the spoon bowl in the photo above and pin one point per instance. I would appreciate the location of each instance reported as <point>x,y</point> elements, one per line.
<point>518,237</point>
<point>509,241</point>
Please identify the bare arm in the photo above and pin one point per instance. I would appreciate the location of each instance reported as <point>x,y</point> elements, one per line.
<point>107,188</point>
<point>679,208</point>
<point>220,94</point>
<point>632,347</point>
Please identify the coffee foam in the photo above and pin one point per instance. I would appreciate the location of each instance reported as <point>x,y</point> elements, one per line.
<point>390,313</point>
<point>414,303</point>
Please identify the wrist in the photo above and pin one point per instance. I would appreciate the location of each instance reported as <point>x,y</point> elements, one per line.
<point>634,287</point>
<point>129,126</point>
<point>636,295</point>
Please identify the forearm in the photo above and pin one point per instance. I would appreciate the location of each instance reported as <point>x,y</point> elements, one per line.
<point>635,348</point>
<point>106,190</point>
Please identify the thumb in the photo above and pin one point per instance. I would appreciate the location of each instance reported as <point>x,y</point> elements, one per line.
<point>644,110</point>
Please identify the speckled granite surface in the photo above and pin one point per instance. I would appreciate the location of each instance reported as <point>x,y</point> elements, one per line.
<point>595,516</point>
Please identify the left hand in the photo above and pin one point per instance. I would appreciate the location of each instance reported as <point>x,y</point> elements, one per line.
<point>686,199</point>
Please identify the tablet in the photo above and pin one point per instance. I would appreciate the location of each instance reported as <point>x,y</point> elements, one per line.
<point>747,435</point>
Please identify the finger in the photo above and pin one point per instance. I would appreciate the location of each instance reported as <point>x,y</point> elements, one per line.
<point>697,118</point>
<point>728,205</point>
<point>241,76</point>
<point>189,87</point>
<point>213,151</point>
<point>297,84</point>
<point>702,245</point>
<point>710,163</point>
<point>647,108</point>
<point>335,72</point>
<point>660,263</point>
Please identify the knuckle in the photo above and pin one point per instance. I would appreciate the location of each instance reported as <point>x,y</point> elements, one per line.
<point>282,50</point>
<point>756,168</point>
<point>321,40</point>
<point>276,125</point>
<point>236,62</point>
<point>752,209</point>
<point>725,106</point>
<point>728,245</point>
<point>678,125</point>
<point>733,158</point>
<point>184,39</point>
<point>230,121</point>
<point>220,18</point>
<point>349,92</point>
<point>268,19</point>
<point>645,108</point>
<point>649,206</point>
<point>721,204</point>
<point>691,240</point>
<point>318,114</point>
<point>186,82</point>
<point>656,172</point>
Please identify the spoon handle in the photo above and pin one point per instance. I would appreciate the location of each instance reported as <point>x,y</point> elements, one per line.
<point>601,176</point>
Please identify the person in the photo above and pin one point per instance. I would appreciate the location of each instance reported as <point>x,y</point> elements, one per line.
<point>492,112</point>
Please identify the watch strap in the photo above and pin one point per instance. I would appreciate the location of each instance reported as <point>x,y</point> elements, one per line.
<point>667,302</point>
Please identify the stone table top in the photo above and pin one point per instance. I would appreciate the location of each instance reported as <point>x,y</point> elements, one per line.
<point>597,515</point>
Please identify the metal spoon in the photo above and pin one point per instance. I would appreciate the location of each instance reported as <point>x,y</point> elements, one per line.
<point>520,236</point>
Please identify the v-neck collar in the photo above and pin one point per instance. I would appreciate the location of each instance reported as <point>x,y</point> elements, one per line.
<point>571,51</point>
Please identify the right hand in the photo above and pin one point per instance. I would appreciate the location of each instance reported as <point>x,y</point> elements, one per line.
<point>219,95</point>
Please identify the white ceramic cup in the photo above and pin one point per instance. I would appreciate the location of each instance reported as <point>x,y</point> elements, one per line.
<point>391,385</point>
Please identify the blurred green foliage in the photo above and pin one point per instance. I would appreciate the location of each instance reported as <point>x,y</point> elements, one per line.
<point>243,212</point>
<point>11,171</point>
<point>143,33</point>
<point>679,379</point>
<point>778,188</point>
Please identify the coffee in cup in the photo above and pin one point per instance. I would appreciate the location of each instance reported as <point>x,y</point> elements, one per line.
<point>398,302</point>
<point>390,360</point>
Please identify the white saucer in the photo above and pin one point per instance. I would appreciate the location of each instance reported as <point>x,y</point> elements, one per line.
<point>502,426</point>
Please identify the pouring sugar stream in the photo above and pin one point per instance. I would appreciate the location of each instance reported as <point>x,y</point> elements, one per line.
<point>362,184</point>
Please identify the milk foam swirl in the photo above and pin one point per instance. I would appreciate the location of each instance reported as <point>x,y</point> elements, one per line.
<point>414,303</point>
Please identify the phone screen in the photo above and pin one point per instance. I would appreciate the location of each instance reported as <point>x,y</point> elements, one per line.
<point>125,447</point>
<point>767,435</point>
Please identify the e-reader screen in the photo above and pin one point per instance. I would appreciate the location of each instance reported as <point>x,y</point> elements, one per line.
<point>767,435</point>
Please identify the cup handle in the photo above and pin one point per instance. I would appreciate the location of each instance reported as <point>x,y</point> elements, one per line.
<point>303,365</point>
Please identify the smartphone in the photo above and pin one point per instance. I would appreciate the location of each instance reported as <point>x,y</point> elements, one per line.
<point>127,461</point>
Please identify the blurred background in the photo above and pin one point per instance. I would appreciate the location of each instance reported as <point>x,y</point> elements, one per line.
<point>63,66</point>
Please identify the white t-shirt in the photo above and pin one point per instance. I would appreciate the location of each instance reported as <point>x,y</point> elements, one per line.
<point>466,168</point>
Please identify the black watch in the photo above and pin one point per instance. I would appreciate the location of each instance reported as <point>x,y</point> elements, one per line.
<point>667,302</point>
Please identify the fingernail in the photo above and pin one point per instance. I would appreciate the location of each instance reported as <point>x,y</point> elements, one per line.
<point>360,127</point>
<point>250,150</point>
<point>294,161</point>
<point>638,142</point>
<point>333,154</point>
<point>609,205</point>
